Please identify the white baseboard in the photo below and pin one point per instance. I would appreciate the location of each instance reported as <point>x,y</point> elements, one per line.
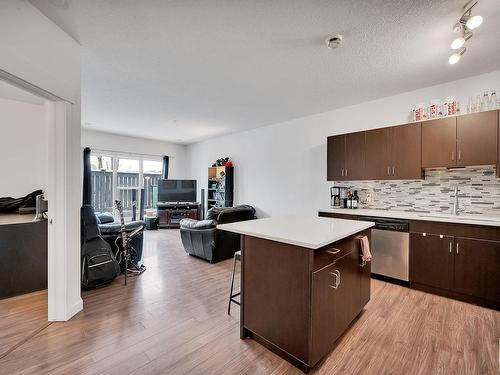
<point>76,308</point>
<point>72,311</point>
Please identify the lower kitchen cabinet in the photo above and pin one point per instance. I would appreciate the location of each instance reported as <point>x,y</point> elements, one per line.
<point>297,301</point>
<point>338,293</point>
<point>476,268</point>
<point>460,261</point>
<point>457,267</point>
<point>431,260</point>
<point>324,310</point>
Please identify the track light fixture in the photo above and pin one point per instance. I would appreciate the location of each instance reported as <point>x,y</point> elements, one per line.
<point>464,28</point>
<point>460,41</point>
<point>456,56</point>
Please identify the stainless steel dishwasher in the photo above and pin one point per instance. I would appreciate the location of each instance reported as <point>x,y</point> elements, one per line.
<point>390,247</point>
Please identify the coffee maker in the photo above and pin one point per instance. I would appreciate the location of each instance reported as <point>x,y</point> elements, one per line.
<point>338,196</point>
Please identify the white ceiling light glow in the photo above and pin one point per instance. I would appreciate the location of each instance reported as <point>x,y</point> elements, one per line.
<point>474,22</point>
<point>456,56</point>
<point>458,43</point>
<point>463,27</point>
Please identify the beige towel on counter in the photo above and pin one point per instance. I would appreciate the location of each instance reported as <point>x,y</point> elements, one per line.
<point>365,249</point>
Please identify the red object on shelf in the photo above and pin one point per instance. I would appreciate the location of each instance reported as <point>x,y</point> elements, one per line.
<point>229,163</point>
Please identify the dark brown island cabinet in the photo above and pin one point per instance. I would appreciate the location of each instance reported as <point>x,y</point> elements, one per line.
<point>297,301</point>
<point>403,152</point>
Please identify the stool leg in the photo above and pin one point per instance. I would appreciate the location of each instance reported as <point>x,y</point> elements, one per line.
<point>232,284</point>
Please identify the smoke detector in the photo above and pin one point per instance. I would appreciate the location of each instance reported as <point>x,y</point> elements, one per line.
<point>333,41</point>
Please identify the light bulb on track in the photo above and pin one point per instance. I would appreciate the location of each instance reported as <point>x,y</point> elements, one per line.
<point>474,22</point>
<point>458,43</point>
<point>456,56</point>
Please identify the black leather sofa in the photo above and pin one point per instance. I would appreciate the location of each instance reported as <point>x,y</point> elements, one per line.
<point>203,240</point>
<point>110,230</point>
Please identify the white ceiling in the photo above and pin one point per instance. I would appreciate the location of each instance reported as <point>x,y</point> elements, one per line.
<point>224,66</point>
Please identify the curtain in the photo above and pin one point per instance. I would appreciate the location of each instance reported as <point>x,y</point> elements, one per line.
<point>165,167</point>
<point>87,177</point>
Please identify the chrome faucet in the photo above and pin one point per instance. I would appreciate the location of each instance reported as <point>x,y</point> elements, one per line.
<point>456,208</point>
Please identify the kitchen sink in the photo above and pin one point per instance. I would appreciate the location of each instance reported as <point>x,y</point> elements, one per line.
<point>462,218</point>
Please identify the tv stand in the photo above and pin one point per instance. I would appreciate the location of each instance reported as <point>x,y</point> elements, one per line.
<point>171,213</point>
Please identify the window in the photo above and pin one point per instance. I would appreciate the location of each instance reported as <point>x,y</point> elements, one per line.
<point>152,167</point>
<point>101,163</point>
<point>123,178</point>
<point>152,170</point>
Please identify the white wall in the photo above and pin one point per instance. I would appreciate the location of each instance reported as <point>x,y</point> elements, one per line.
<point>22,150</point>
<point>37,51</point>
<point>119,143</point>
<point>281,169</point>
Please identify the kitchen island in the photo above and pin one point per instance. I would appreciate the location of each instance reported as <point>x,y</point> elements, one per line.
<point>302,283</point>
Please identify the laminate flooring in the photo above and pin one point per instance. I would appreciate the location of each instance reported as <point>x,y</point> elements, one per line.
<point>173,320</point>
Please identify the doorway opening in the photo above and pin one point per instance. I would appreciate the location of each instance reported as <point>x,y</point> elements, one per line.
<point>32,272</point>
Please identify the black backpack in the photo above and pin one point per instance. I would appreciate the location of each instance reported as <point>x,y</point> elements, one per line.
<point>99,266</point>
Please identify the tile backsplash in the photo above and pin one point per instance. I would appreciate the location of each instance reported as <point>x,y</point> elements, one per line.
<point>479,192</point>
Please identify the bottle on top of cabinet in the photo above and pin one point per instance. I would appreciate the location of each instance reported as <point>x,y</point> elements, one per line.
<point>493,100</point>
<point>484,101</point>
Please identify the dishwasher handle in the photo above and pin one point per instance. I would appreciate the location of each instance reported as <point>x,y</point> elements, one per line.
<point>389,224</point>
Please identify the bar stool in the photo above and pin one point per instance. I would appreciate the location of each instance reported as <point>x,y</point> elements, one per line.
<point>237,256</point>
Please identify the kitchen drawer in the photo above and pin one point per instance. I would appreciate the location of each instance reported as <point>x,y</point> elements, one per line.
<point>328,254</point>
<point>483,232</point>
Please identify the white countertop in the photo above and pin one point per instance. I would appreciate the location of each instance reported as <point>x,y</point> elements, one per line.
<point>434,216</point>
<point>6,219</point>
<point>310,232</point>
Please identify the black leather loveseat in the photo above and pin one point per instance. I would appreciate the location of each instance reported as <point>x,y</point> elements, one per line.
<point>203,240</point>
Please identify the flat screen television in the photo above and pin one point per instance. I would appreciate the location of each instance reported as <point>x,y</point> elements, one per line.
<point>177,191</point>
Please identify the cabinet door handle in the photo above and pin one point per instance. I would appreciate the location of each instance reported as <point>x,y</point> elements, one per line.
<point>334,251</point>
<point>388,171</point>
<point>453,155</point>
<point>346,172</point>
<point>342,172</point>
<point>451,245</point>
<point>457,248</point>
<point>393,169</point>
<point>337,279</point>
<point>459,155</point>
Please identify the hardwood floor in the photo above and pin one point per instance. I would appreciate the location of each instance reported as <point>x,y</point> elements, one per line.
<point>21,317</point>
<point>173,320</point>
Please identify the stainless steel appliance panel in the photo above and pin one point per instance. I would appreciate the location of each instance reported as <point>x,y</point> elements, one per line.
<point>390,251</point>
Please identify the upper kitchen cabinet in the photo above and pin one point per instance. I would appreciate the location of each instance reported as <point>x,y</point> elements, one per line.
<point>406,152</point>
<point>346,157</point>
<point>477,139</point>
<point>378,152</point>
<point>460,141</point>
<point>355,156</point>
<point>335,157</point>
<point>394,153</point>
<point>439,143</point>
<point>402,152</point>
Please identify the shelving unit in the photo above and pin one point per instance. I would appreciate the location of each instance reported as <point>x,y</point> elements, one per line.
<point>220,187</point>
